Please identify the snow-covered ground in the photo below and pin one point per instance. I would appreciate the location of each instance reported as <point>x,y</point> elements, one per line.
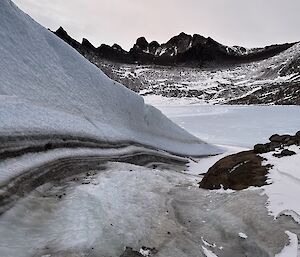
<point>292,249</point>
<point>284,191</point>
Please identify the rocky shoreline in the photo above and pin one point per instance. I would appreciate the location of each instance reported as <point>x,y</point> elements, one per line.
<point>246,169</point>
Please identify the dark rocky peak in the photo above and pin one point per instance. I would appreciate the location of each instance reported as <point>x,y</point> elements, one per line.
<point>180,43</point>
<point>87,44</point>
<point>61,32</point>
<point>198,40</point>
<point>65,36</point>
<point>154,44</point>
<point>141,44</point>
<point>211,42</point>
<point>114,48</point>
<point>182,37</point>
<point>117,48</point>
<point>103,47</point>
<point>114,53</point>
<point>153,47</point>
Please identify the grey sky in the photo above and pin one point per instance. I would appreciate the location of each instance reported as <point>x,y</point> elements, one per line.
<point>232,22</point>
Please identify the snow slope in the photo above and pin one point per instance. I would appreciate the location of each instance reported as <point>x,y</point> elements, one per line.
<point>47,88</point>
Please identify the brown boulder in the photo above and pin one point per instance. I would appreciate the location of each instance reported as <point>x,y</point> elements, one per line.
<point>237,172</point>
<point>245,169</point>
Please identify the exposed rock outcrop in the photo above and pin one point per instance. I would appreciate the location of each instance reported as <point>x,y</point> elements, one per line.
<point>277,141</point>
<point>237,172</point>
<point>246,169</point>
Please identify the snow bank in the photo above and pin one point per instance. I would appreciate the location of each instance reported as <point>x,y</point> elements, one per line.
<point>47,88</point>
<point>284,190</point>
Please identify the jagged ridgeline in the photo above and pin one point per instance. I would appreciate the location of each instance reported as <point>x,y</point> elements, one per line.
<point>200,69</point>
<point>182,49</point>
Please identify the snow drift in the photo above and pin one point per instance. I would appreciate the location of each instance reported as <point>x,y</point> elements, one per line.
<point>47,88</point>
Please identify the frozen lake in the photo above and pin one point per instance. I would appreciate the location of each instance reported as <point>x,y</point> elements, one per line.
<point>242,126</point>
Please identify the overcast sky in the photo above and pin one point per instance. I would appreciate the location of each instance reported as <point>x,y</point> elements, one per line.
<point>232,22</point>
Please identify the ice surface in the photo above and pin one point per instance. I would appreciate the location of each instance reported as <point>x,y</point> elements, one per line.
<point>208,253</point>
<point>47,87</point>
<point>242,126</point>
<point>124,206</point>
<point>127,205</point>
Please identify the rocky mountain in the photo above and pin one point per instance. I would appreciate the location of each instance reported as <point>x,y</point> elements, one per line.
<point>114,52</point>
<point>182,50</point>
<point>196,69</point>
<point>275,80</point>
